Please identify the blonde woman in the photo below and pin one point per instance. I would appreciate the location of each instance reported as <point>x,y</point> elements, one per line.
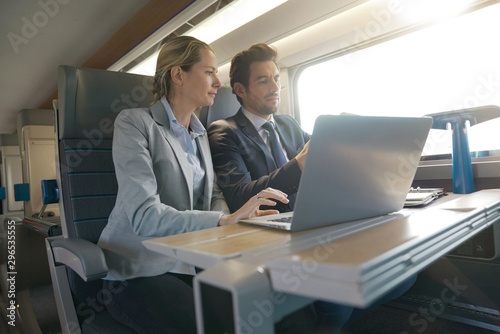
<point>166,186</point>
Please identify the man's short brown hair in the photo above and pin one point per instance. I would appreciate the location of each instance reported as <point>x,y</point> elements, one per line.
<point>240,64</point>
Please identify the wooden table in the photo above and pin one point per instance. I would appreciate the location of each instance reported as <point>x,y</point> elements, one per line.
<point>352,263</point>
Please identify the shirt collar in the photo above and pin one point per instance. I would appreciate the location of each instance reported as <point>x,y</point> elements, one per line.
<point>257,121</point>
<point>196,127</point>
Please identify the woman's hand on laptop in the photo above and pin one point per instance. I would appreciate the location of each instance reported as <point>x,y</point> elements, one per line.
<point>268,197</point>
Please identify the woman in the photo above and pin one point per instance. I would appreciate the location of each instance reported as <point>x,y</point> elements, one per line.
<point>166,187</point>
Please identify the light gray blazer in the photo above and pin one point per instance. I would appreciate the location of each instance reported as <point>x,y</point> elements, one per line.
<point>155,193</point>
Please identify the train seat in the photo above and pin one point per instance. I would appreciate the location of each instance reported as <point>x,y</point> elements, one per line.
<point>88,103</point>
<point>26,162</point>
<point>11,173</point>
<point>35,130</point>
<point>225,105</point>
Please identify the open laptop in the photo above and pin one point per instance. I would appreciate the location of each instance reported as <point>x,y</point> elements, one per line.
<point>356,167</point>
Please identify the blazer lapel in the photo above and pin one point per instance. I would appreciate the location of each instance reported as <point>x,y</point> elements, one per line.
<point>286,141</point>
<point>206,157</point>
<point>249,130</point>
<point>159,114</point>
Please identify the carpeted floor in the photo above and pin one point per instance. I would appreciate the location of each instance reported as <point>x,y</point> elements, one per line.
<point>381,320</point>
<point>44,307</point>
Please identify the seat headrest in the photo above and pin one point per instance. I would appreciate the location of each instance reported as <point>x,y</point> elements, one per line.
<point>89,100</point>
<point>225,105</point>
<point>34,117</point>
<point>8,140</point>
<point>27,117</point>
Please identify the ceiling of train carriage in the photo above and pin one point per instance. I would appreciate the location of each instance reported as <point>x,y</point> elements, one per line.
<point>38,36</point>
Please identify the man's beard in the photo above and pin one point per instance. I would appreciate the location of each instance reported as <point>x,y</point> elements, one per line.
<point>266,110</point>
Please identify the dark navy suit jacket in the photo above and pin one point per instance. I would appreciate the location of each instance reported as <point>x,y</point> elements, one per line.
<point>243,163</point>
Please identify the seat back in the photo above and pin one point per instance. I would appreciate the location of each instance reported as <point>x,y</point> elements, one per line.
<point>225,105</point>
<point>88,102</point>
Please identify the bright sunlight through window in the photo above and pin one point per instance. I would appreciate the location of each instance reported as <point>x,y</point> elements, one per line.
<point>449,66</point>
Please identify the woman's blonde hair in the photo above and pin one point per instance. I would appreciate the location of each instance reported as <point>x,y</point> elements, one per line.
<point>183,51</point>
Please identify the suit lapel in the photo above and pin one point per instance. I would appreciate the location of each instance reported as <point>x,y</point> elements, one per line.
<point>249,130</point>
<point>206,157</point>
<point>286,141</point>
<point>159,114</point>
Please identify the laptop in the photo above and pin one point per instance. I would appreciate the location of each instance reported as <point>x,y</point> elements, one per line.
<point>357,167</point>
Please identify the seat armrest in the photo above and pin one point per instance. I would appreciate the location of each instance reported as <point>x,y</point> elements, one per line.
<point>84,257</point>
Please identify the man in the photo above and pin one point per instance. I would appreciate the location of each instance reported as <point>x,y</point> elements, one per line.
<point>243,154</point>
<point>244,157</point>
<point>246,161</point>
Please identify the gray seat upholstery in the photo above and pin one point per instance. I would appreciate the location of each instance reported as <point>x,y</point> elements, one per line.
<point>88,103</point>
<point>225,105</point>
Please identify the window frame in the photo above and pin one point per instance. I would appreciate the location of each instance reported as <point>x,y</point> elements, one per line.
<point>295,72</point>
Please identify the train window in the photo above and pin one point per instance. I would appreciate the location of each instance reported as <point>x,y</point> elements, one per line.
<point>448,66</point>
